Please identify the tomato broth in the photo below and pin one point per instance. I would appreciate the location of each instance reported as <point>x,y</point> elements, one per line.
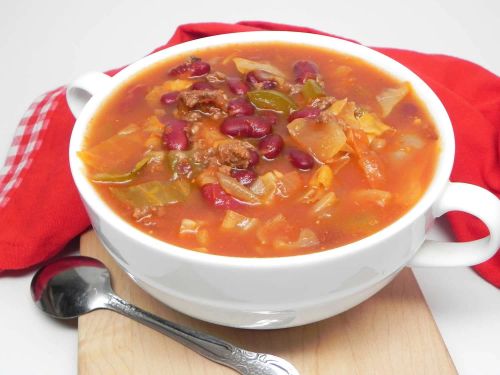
<point>261,150</point>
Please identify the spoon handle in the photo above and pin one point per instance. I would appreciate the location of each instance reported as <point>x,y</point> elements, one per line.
<point>217,350</point>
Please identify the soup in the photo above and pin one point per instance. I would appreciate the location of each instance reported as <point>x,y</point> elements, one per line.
<point>261,150</point>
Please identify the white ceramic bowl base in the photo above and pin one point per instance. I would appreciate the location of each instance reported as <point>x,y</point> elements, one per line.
<point>284,292</point>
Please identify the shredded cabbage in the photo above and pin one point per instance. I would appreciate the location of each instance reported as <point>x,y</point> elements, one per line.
<point>154,95</point>
<point>123,177</point>
<point>322,140</point>
<point>245,66</point>
<point>390,97</point>
<point>375,196</point>
<point>189,226</point>
<point>153,193</point>
<point>307,238</point>
<point>237,190</point>
<point>234,220</point>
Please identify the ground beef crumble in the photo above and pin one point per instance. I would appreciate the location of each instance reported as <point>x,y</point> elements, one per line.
<point>323,102</point>
<point>195,98</point>
<point>234,153</point>
<point>196,104</point>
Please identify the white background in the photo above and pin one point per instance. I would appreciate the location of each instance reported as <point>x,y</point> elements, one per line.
<point>44,44</point>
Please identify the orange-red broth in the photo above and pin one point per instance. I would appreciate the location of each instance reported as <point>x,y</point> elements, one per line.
<point>407,170</point>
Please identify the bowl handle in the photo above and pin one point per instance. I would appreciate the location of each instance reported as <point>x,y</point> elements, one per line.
<point>476,201</point>
<point>80,91</point>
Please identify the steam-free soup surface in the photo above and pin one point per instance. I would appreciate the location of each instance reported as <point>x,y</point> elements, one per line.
<point>261,150</point>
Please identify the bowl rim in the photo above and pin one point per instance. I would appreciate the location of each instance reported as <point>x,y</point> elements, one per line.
<point>382,62</point>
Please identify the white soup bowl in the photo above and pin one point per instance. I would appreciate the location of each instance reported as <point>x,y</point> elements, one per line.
<point>283,292</point>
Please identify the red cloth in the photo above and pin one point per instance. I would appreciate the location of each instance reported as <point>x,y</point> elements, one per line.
<point>41,210</point>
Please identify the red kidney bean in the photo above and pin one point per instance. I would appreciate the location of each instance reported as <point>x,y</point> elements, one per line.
<point>301,159</point>
<point>260,127</point>
<point>270,116</point>
<point>244,176</point>
<point>199,68</point>
<point>254,158</point>
<point>306,112</point>
<point>175,137</point>
<point>252,78</point>
<point>195,68</point>
<point>246,126</point>
<point>271,145</point>
<point>237,86</point>
<point>305,70</point>
<point>169,97</point>
<point>216,196</point>
<point>240,106</point>
<point>179,70</point>
<point>264,78</point>
<point>202,85</point>
<point>236,127</point>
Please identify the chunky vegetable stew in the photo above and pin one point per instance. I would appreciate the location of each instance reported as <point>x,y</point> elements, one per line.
<point>261,150</point>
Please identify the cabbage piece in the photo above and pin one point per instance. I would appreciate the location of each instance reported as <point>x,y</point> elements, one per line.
<point>207,176</point>
<point>123,177</point>
<point>154,95</point>
<point>245,66</point>
<point>272,229</point>
<point>237,190</point>
<point>322,140</point>
<point>368,159</point>
<point>325,202</point>
<point>412,141</point>
<point>234,220</point>
<point>337,107</point>
<point>154,125</point>
<point>108,156</point>
<point>153,193</point>
<point>189,226</point>
<point>265,187</point>
<point>375,196</point>
<point>357,118</point>
<point>372,125</point>
<point>319,183</point>
<point>390,97</point>
<point>307,238</point>
<point>348,114</point>
<point>288,183</point>
<point>360,223</point>
<point>203,237</point>
<point>322,178</point>
<point>129,129</point>
<point>275,183</point>
<point>339,162</point>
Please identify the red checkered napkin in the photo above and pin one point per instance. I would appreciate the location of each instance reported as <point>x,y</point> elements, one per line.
<point>27,139</point>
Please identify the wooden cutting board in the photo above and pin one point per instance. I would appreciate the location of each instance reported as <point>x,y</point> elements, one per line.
<point>391,333</point>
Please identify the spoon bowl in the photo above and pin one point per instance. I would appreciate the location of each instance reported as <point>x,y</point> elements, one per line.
<point>69,287</point>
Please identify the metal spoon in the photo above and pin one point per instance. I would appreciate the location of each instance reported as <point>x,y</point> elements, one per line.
<point>76,285</point>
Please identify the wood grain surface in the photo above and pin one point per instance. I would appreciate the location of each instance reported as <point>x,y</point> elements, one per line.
<point>391,333</point>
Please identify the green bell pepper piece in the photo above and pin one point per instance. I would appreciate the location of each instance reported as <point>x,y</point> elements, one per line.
<point>312,90</point>
<point>272,99</point>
